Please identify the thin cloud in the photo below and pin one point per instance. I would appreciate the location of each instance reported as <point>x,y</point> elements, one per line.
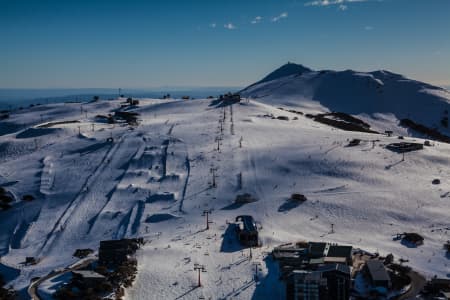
<point>281,16</point>
<point>230,26</point>
<point>341,3</point>
<point>368,28</point>
<point>257,20</point>
<point>213,25</point>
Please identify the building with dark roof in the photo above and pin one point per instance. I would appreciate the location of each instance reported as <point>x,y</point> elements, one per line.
<point>316,250</point>
<point>378,274</point>
<point>338,280</point>
<point>328,282</point>
<point>413,238</point>
<point>439,285</point>
<point>307,285</point>
<point>404,147</point>
<point>316,270</point>
<point>231,98</point>
<point>337,251</point>
<point>247,230</point>
<point>87,279</point>
<point>332,253</point>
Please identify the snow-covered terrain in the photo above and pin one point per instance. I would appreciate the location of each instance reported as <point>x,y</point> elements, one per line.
<point>154,181</point>
<point>380,96</point>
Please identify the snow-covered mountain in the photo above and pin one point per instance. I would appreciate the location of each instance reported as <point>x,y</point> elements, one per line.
<point>154,180</point>
<point>381,97</point>
<point>285,70</point>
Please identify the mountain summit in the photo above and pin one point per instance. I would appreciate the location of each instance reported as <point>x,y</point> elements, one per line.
<point>285,70</point>
<point>380,95</point>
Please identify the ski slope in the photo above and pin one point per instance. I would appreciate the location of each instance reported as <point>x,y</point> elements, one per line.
<point>154,181</point>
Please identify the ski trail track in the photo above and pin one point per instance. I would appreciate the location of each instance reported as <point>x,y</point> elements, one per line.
<point>89,197</point>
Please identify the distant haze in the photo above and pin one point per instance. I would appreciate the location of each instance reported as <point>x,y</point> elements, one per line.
<point>13,98</point>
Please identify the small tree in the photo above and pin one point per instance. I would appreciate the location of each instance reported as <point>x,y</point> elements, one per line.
<point>96,98</point>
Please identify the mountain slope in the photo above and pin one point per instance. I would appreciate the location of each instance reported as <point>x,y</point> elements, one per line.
<point>154,181</point>
<point>372,93</point>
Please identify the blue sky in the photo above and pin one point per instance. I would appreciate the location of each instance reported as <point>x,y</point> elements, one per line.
<point>153,43</point>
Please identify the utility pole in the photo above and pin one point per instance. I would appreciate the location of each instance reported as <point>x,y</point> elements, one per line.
<point>240,180</point>
<point>200,269</point>
<point>79,130</point>
<point>213,171</point>
<point>332,228</point>
<point>218,144</point>
<point>206,214</point>
<point>240,142</point>
<point>93,127</point>
<point>256,264</point>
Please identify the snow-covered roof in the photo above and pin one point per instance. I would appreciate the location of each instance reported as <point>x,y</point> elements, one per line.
<point>88,274</point>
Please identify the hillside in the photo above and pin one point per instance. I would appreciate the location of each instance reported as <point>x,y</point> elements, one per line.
<point>382,98</point>
<point>154,181</point>
<point>283,71</point>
